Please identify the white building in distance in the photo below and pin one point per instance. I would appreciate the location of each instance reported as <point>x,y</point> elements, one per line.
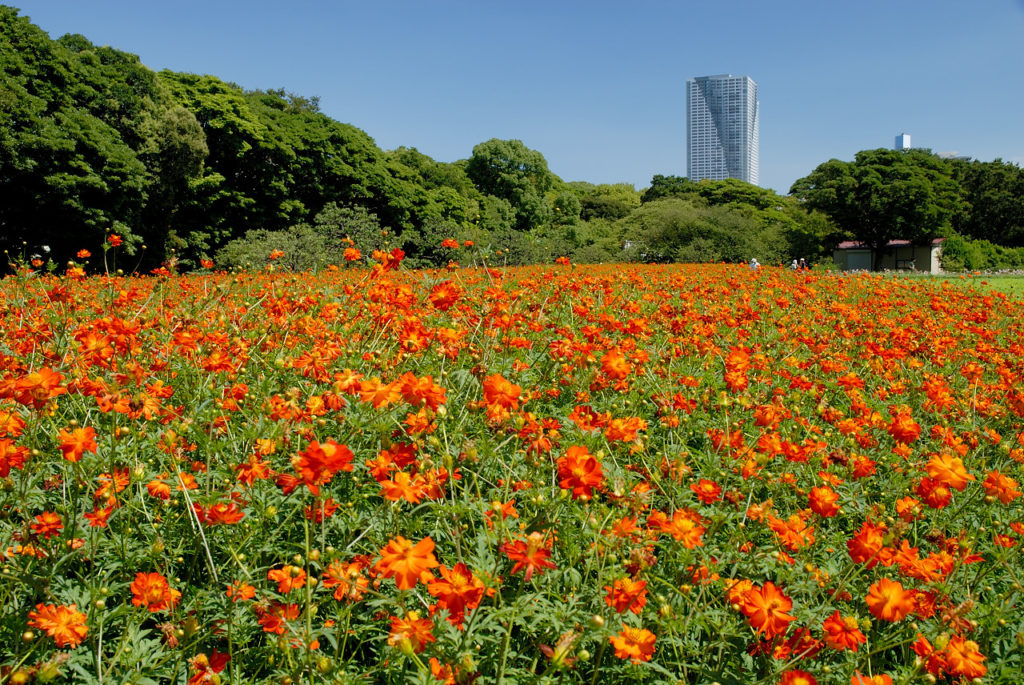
<point>902,142</point>
<point>722,121</point>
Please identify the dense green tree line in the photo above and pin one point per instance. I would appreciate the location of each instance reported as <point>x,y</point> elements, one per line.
<point>187,167</point>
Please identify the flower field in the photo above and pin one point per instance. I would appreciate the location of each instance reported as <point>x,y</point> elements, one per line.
<point>601,474</point>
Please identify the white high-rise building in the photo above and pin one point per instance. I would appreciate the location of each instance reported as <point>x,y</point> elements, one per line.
<point>722,114</point>
<point>902,142</point>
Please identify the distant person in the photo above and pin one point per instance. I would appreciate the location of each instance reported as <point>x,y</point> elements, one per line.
<point>803,264</point>
<point>754,266</point>
<point>795,265</point>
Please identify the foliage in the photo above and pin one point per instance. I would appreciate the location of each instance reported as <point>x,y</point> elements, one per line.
<point>509,170</point>
<point>993,194</point>
<point>301,248</point>
<point>884,195</point>
<point>962,254</point>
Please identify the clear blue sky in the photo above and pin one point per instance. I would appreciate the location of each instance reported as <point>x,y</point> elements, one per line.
<point>598,87</point>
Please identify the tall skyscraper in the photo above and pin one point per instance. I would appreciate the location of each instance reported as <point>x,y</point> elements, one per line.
<point>722,128</point>
<point>902,142</point>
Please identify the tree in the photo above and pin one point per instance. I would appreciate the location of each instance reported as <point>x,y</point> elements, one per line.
<point>884,195</point>
<point>509,170</point>
<point>994,197</point>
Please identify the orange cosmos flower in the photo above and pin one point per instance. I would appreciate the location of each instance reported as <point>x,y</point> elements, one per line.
<point>766,608</point>
<point>76,442</point>
<point>458,590</point>
<point>47,525</point>
<point>707,491</point>
<point>65,624</point>
<point>1003,488</point>
<point>240,591</point>
<point>903,428</point>
<point>626,593</point>
<point>878,679</point>
<point>318,463</point>
<point>403,486</point>
<point>407,563</point>
<point>11,457</point>
<point>867,544</point>
<point>38,387</point>
<point>500,392</point>
<point>532,555</point>
<point>204,668</point>
<point>888,601</point>
<point>949,470</point>
<point>273,618</point>
<point>287,578</point>
<point>685,527</point>
<point>822,501</point>
<point>964,659</point>
<point>347,578</point>
<point>152,591</point>
<point>412,630</point>
<point>843,632</point>
<point>352,254</point>
<point>797,677</point>
<point>614,365</point>
<point>580,472</point>
<point>635,644</point>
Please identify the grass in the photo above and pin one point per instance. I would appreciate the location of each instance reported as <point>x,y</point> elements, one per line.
<point>1012,286</point>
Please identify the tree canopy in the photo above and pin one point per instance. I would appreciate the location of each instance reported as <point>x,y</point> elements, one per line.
<point>884,195</point>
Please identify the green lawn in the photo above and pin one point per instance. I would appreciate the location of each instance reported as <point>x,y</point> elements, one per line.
<point>1011,285</point>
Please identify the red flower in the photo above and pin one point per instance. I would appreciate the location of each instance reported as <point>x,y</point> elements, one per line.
<point>532,555</point>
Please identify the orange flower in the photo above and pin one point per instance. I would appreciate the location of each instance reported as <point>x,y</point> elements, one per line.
<point>766,608</point>
<point>888,601</point>
<point>635,644</point>
<point>1003,488</point>
<point>878,679</point>
<point>458,591</point>
<point>685,527</point>
<point>626,593</point>
<point>204,668</point>
<point>239,591</point>
<point>532,555</point>
<point>319,462</point>
<point>152,591</point>
<point>411,632</point>
<point>707,491</point>
<point>964,659</point>
<point>580,472</point>
<point>903,428</point>
<point>867,544</point>
<point>822,501</point>
<point>347,578</point>
<point>407,563</point>
<point>11,457</point>
<point>47,525</point>
<point>287,578</point>
<point>76,442</point>
<point>949,470</point>
<point>273,618</point>
<point>614,365</point>
<point>65,624</point>
<point>843,632</point>
<point>36,388</point>
<point>500,392</point>
<point>403,486</point>
<point>797,677</point>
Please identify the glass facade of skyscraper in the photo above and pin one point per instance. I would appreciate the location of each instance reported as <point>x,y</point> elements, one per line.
<point>722,128</point>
